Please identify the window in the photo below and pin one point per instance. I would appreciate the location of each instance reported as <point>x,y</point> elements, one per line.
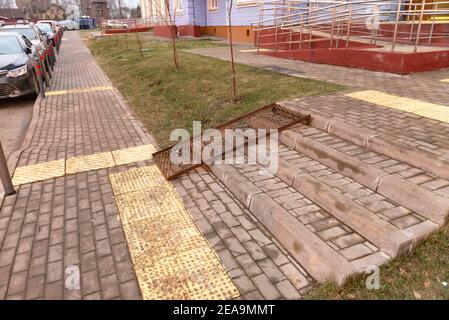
<point>212,5</point>
<point>9,45</point>
<point>178,5</point>
<point>99,13</point>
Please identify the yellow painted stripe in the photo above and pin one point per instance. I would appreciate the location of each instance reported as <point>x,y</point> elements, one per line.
<point>59,168</point>
<point>77,90</point>
<point>255,50</point>
<point>418,107</point>
<point>445,80</point>
<point>171,258</point>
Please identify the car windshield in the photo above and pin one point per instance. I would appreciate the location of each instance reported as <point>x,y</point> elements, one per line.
<point>9,45</point>
<point>27,32</point>
<point>44,27</point>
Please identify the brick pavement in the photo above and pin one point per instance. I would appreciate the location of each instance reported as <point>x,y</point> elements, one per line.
<point>73,220</point>
<point>420,132</point>
<point>70,220</point>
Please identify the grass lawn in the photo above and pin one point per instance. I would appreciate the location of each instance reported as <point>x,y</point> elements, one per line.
<point>165,99</point>
<point>419,275</point>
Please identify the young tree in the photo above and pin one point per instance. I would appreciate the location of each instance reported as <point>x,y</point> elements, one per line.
<point>234,84</point>
<point>164,14</point>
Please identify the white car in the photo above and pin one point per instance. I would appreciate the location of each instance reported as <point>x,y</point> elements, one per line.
<point>69,25</point>
<point>116,25</point>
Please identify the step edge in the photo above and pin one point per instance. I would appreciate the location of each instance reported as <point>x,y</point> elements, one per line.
<point>375,141</point>
<point>381,233</point>
<point>320,260</point>
<point>374,178</point>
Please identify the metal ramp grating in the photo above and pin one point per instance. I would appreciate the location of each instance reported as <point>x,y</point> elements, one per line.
<point>272,116</point>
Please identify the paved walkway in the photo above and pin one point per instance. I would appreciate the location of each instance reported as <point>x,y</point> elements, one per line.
<point>82,174</point>
<point>70,220</point>
<point>417,131</point>
<point>65,217</point>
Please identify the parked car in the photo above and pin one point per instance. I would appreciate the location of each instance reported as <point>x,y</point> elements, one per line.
<point>49,22</point>
<point>57,30</point>
<point>111,24</point>
<point>69,25</point>
<point>19,66</point>
<point>51,35</point>
<point>38,40</point>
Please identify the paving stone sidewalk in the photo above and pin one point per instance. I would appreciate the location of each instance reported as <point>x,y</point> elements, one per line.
<point>73,220</point>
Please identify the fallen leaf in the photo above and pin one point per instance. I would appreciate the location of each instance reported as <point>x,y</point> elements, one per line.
<point>417,295</point>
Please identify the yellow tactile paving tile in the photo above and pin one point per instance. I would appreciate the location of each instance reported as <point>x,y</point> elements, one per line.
<point>91,162</point>
<point>418,107</point>
<point>38,172</point>
<point>445,80</point>
<point>78,90</point>
<point>59,168</point>
<point>172,259</point>
<point>135,154</point>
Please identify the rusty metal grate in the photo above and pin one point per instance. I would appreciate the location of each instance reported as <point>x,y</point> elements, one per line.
<point>272,116</point>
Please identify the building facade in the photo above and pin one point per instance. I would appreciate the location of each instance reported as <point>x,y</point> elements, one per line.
<point>196,17</point>
<point>97,9</point>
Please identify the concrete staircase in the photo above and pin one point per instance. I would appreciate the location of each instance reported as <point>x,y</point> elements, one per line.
<point>343,198</point>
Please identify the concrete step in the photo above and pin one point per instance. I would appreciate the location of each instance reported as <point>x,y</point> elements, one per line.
<point>390,226</point>
<point>327,247</point>
<point>402,183</point>
<point>380,143</point>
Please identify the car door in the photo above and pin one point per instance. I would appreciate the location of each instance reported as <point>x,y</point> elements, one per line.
<point>33,58</point>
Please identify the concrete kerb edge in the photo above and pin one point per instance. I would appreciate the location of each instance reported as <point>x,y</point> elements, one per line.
<point>427,198</point>
<point>322,272</point>
<point>14,157</point>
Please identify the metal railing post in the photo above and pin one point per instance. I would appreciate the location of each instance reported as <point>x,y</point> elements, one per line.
<point>301,30</point>
<point>398,14</point>
<point>349,26</point>
<point>419,25</point>
<point>4,174</point>
<point>332,28</point>
<point>435,8</point>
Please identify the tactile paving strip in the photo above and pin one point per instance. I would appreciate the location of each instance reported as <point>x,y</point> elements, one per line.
<point>140,153</point>
<point>418,107</point>
<point>172,259</point>
<point>39,172</point>
<point>59,168</point>
<point>91,162</point>
<point>77,90</point>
